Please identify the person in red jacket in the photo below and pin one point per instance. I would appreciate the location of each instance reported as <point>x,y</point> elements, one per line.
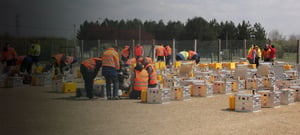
<point>138,51</point>
<point>272,53</point>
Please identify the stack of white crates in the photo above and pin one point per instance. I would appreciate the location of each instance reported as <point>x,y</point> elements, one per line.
<point>247,103</point>
<point>221,87</point>
<point>158,96</point>
<point>15,81</point>
<point>42,79</point>
<point>57,86</point>
<point>254,83</point>
<point>238,85</point>
<point>287,96</point>
<point>270,98</point>
<point>186,93</point>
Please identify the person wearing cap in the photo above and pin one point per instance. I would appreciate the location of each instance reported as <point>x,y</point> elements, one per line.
<point>110,68</point>
<point>152,80</point>
<point>140,81</point>
<point>89,70</point>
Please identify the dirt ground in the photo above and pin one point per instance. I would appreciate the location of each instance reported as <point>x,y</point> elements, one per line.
<point>35,110</point>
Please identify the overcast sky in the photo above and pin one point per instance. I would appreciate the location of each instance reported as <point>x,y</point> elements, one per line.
<point>57,17</point>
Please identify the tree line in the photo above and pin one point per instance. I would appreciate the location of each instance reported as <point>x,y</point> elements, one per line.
<point>195,28</point>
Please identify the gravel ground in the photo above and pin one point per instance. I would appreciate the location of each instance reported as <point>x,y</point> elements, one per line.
<point>39,111</point>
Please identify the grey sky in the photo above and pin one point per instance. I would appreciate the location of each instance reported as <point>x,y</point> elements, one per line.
<point>56,17</point>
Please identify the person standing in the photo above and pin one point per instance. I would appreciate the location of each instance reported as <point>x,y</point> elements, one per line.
<point>140,81</point>
<point>265,54</point>
<point>8,56</point>
<point>110,67</point>
<point>168,54</point>
<point>159,53</point>
<point>252,55</point>
<point>138,51</point>
<point>272,53</point>
<point>34,52</point>
<point>89,70</point>
<point>152,80</point>
<point>125,53</point>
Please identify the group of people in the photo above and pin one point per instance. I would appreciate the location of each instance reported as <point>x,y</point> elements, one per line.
<point>10,58</point>
<point>188,55</point>
<point>162,53</point>
<point>268,54</point>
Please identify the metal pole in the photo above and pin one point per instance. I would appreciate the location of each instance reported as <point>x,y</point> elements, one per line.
<point>98,48</point>
<point>219,50</point>
<point>133,44</point>
<point>153,48</point>
<point>195,45</point>
<point>298,51</point>
<point>81,50</point>
<point>66,49</point>
<point>244,48</point>
<point>173,52</point>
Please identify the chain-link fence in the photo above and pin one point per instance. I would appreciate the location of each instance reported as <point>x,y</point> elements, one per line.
<point>209,51</point>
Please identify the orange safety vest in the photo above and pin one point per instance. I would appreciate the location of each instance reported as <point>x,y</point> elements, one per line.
<point>266,54</point>
<point>140,80</point>
<point>152,76</point>
<point>57,58</point>
<point>131,61</point>
<point>138,50</point>
<point>125,51</point>
<point>90,63</point>
<point>160,51</point>
<point>110,58</point>
<point>69,59</point>
<point>140,59</point>
<point>10,54</point>
<point>149,60</point>
<point>191,54</point>
<point>168,50</point>
<point>250,54</point>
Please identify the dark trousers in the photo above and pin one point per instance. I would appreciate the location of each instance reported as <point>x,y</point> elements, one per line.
<point>135,94</point>
<point>160,58</point>
<point>35,60</point>
<point>257,61</point>
<point>111,76</point>
<point>26,65</point>
<point>88,76</point>
<point>168,59</point>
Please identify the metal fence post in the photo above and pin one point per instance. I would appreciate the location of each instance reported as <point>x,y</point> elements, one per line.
<point>153,48</point>
<point>82,50</point>
<point>195,45</point>
<point>298,51</point>
<point>98,48</point>
<point>133,44</point>
<point>173,52</point>
<point>219,50</point>
<point>244,48</point>
<point>66,49</point>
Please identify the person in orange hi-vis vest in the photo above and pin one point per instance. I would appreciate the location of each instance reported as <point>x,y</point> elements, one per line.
<point>25,63</point>
<point>125,53</point>
<point>168,54</point>
<point>89,70</point>
<point>62,62</point>
<point>8,56</point>
<point>159,53</point>
<point>152,80</point>
<point>140,81</point>
<point>110,68</point>
<point>194,56</point>
<point>138,50</point>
